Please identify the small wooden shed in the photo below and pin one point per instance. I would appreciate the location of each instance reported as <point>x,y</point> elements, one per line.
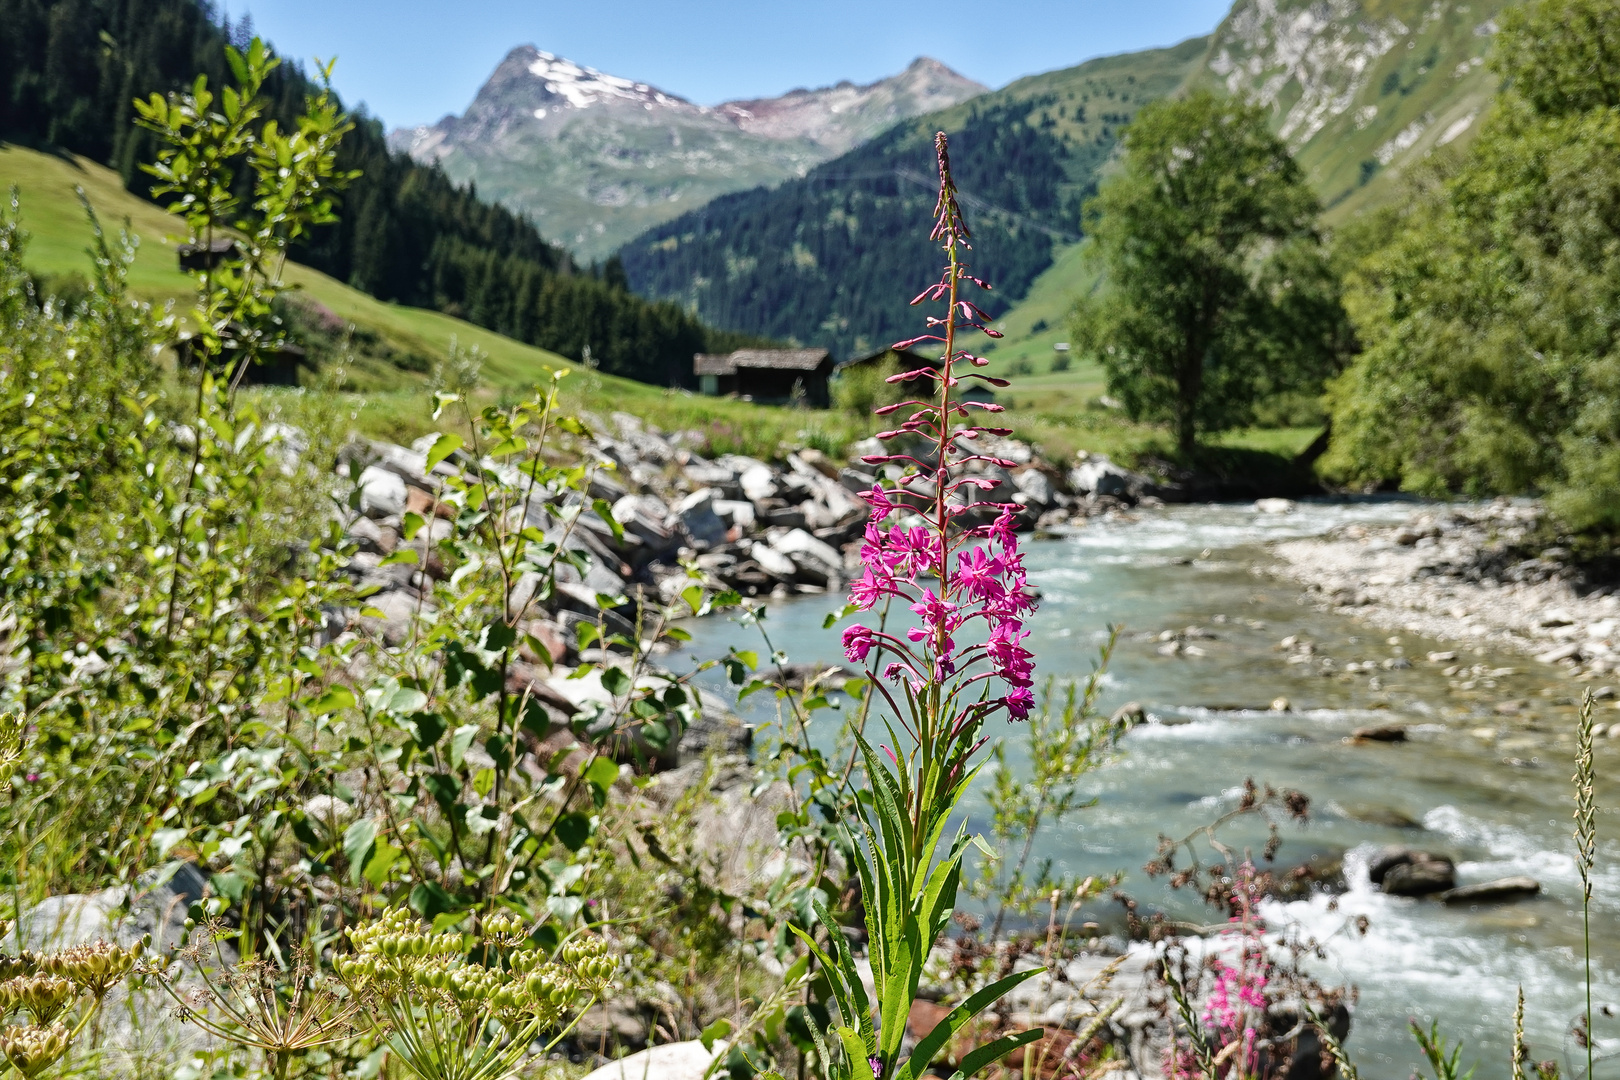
<point>766,375</point>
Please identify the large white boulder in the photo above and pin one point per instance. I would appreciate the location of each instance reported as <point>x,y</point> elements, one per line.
<point>671,1061</point>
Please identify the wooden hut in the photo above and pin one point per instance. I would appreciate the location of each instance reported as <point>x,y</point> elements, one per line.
<point>766,375</point>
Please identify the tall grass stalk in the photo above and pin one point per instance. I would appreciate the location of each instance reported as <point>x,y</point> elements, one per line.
<point>1586,849</point>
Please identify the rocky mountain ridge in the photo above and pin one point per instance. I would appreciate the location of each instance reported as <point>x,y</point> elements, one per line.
<point>597,158</point>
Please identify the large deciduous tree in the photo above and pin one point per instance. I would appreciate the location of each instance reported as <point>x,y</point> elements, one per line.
<point>1491,311</point>
<point>1215,291</point>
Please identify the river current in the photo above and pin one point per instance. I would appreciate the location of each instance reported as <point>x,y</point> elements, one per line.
<point>1487,786</point>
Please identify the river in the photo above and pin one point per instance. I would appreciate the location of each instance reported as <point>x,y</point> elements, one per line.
<point>1490,790</point>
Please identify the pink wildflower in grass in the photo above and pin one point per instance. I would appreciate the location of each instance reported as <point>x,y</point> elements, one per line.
<point>950,571</point>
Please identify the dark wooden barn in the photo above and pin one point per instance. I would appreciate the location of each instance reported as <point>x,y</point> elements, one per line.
<point>766,375</point>
<point>274,367</point>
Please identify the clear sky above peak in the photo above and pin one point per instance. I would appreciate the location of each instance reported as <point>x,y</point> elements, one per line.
<point>412,61</point>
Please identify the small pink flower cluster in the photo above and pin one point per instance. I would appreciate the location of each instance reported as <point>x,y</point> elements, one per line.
<point>987,582</point>
<point>977,571</point>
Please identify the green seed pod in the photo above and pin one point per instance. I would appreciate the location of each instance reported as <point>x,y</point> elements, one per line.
<point>33,1048</point>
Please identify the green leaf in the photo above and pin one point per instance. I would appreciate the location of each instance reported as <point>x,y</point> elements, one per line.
<point>333,699</point>
<point>573,829</point>
<point>406,700</point>
<point>929,1046</point>
<point>164,840</point>
<point>428,899</point>
<point>358,839</point>
<point>615,681</point>
<point>459,742</point>
<point>402,555</point>
<point>990,1053</point>
<point>604,510</point>
<point>693,595</point>
<point>383,856</point>
<point>602,774</point>
<point>714,1033</point>
<point>411,524</point>
<point>446,444</point>
<point>498,636</point>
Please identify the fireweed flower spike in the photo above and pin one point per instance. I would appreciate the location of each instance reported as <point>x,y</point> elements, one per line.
<point>954,562</point>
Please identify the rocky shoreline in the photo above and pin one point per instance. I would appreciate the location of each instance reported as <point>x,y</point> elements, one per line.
<point>1469,575</point>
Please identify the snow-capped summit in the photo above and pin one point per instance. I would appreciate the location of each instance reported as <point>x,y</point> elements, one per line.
<point>598,158</point>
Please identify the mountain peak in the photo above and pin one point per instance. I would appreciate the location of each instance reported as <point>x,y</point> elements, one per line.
<point>598,158</point>
<point>580,86</point>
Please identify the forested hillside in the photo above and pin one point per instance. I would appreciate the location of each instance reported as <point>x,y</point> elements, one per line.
<point>830,259</point>
<point>69,70</point>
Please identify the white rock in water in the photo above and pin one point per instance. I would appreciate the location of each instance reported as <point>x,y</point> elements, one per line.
<point>1571,651</point>
<point>672,1061</point>
<point>1274,506</point>
<point>382,493</point>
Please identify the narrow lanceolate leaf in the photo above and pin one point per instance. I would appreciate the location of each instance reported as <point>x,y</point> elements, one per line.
<point>860,1005</point>
<point>929,1046</point>
<point>990,1053</point>
<point>858,1052</point>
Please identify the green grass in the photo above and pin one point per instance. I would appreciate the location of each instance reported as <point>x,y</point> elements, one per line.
<point>1055,410</point>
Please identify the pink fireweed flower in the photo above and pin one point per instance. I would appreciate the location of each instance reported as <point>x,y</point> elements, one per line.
<point>979,574</point>
<point>858,642</point>
<point>961,563</point>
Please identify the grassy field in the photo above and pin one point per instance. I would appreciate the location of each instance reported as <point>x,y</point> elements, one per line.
<point>1057,410</point>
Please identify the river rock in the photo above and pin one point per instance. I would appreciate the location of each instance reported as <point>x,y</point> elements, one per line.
<point>138,1024</point>
<point>1408,872</point>
<point>698,517</point>
<point>773,562</point>
<point>1381,733</point>
<point>856,481</point>
<point>812,556</point>
<point>1569,651</point>
<point>382,493</point>
<point>671,1061</point>
<point>736,512</point>
<point>759,482</point>
<point>1099,476</point>
<point>1274,506</point>
<point>1037,485</point>
<point>1493,892</point>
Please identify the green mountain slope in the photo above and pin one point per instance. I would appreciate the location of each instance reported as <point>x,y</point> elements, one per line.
<point>59,236</point>
<point>832,259</point>
<point>1359,90</point>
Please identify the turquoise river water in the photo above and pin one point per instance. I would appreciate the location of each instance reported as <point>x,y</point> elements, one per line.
<point>1491,791</point>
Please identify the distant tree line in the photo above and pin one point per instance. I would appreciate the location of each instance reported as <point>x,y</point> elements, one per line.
<point>834,258</point>
<point>69,70</point>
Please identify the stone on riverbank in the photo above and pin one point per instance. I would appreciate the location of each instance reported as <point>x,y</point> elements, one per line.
<point>1502,890</point>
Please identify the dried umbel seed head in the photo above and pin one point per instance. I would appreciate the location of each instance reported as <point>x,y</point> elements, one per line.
<point>44,996</point>
<point>96,967</point>
<point>33,1048</point>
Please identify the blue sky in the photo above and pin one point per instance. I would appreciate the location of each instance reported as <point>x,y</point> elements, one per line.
<point>412,61</point>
